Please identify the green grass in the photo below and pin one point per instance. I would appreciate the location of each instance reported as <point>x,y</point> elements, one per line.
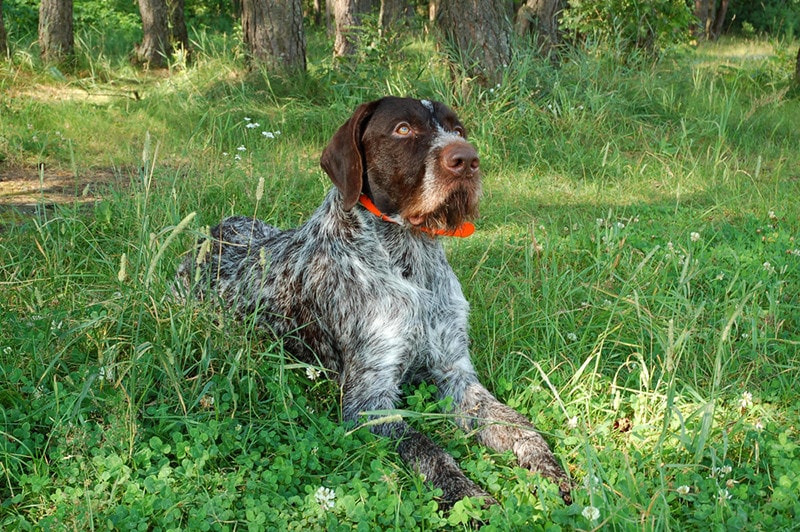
<point>634,285</point>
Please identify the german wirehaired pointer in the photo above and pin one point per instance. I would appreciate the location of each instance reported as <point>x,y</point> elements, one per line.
<point>363,288</point>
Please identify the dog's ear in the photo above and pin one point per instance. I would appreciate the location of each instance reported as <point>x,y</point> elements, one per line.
<point>342,159</point>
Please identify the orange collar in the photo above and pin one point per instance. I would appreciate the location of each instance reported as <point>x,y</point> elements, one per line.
<point>462,231</point>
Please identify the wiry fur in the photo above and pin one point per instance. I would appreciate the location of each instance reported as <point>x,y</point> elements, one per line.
<point>375,302</point>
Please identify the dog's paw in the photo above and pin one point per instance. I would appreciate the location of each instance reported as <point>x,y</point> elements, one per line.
<point>534,455</point>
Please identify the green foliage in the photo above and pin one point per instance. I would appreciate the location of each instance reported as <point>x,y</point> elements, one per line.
<point>633,289</point>
<point>773,17</point>
<point>650,25</point>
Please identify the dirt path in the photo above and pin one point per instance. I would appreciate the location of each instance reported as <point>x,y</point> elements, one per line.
<point>28,186</point>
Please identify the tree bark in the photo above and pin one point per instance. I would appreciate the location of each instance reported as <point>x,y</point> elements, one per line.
<point>478,33</point>
<point>3,39</point>
<point>797,69</point>
<point>177,24</point>
<point>347,18</point>
<point>56,40</point>
<point>719,19</point>
<point>394,12</point>
<point>711,18</point>
<point>155,48</point>
<point>274,34</point>
<point>541,18</point>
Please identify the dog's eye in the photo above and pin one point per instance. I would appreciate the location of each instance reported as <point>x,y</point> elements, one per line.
<point>403,130</point>
<point>458,130</point>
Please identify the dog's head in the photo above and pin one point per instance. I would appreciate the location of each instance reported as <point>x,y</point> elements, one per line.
<point>411,158</point>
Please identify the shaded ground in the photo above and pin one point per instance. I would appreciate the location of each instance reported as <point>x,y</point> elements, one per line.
<point>28,186</point>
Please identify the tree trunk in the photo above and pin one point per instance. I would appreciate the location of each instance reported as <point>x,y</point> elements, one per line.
<point>274,35</point>
<point>56,39</point>
<point>3,40</point>
<point>394,12</point>
<point>478,33</point>
<point>541,18</point>
<point>719,19</point>
<point>711,18</point>
<point>347,19</point>
<point>155,48</point>
<point>177,24</point>
<point>797,69</point>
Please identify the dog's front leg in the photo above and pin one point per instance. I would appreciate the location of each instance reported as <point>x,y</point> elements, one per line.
<point>370,393</point>
<point>504,429</point>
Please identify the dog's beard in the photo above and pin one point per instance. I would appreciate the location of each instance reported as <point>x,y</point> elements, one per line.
<point>460,206</point>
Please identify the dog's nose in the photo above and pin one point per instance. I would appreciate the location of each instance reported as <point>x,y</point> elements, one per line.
<point>460,158</point>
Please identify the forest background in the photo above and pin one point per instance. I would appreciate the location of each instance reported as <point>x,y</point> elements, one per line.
<point>634,280</point>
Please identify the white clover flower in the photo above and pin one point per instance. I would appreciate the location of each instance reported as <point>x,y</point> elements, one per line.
<point>224,154</point>
<point>572,422</point>
<point>313,373</point>
<point>591,513</point>
<point>237,157</point>
<point>683,490</point>
<point>241,148</point>
<point>247,119</point>
<point>572,337</point>
<point>107,373</point>
<point>723,495</point>
<point>252,125</point>
<point>325,497</point>
<point>695,236</point>
<point>759,426</point>
<point>268,134</point>
<point>620,225</point>
<point>7,350</point>
<point>746,400</point>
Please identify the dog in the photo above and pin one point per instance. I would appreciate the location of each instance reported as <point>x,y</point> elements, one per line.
<point>364,289</point>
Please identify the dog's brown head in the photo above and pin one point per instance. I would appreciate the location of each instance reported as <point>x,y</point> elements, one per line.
<point>411,158</point>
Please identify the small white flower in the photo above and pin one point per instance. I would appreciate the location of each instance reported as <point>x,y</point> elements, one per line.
<point>769,267</point>
<point>268,134</point>
<point>224,154</point>
<point>746,400</point>
<point>241,148</point>
<point>237,157</point>
<point>107,373</point>
<point>599,222</point>
<point>723,495</point>
<point>683,490</point>
<point>759,426</point>
<point>772,215</point>
<point>313,373</point>
<point>695,236</point>
<point>247,119</point>
<point>325,497</point>
<point>591,513</point>
<point>252,125</point>
<point>620,225</point>
<point>7,350</point>
<point>572,422</point>
<point>572,337</point>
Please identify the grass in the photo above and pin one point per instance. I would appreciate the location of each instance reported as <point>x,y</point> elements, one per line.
<point>634,288</point>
